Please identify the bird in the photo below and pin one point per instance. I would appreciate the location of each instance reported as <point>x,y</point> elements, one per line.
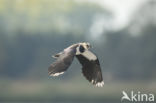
<point>91,68</point>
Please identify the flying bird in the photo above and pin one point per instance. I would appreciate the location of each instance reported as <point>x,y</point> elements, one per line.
<point>90,64</point>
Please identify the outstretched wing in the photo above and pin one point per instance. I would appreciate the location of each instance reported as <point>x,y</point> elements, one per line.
<point>91,68</point>
<point>62,63</point>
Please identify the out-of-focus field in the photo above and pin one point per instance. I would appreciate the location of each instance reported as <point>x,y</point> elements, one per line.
<point>68,90</point>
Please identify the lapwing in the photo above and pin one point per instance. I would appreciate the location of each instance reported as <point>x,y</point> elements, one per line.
<point>90,64</point>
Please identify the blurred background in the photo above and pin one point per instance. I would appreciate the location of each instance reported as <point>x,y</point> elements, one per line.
<point>122,33</point>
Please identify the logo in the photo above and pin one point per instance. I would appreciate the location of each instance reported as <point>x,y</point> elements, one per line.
<point>137,97</point>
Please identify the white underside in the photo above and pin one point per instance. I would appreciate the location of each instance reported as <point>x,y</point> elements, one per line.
<point>57,74</point>
<point>89,55</point>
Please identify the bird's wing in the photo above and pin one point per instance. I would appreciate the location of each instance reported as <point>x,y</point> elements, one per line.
<point>62,63</point>
<point>91,68</point>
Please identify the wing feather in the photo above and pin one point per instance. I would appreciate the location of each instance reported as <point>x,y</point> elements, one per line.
<point>91,69</point>
<point>62,63</point>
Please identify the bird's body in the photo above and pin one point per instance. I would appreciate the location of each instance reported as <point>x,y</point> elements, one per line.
<point>90,63</point>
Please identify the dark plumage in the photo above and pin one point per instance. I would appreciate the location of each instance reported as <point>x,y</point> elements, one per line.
<point>91,69</point>
<point>64,59</point>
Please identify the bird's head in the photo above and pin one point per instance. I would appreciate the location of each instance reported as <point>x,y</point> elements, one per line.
<point>85,45</point>
<point>82,47</point>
